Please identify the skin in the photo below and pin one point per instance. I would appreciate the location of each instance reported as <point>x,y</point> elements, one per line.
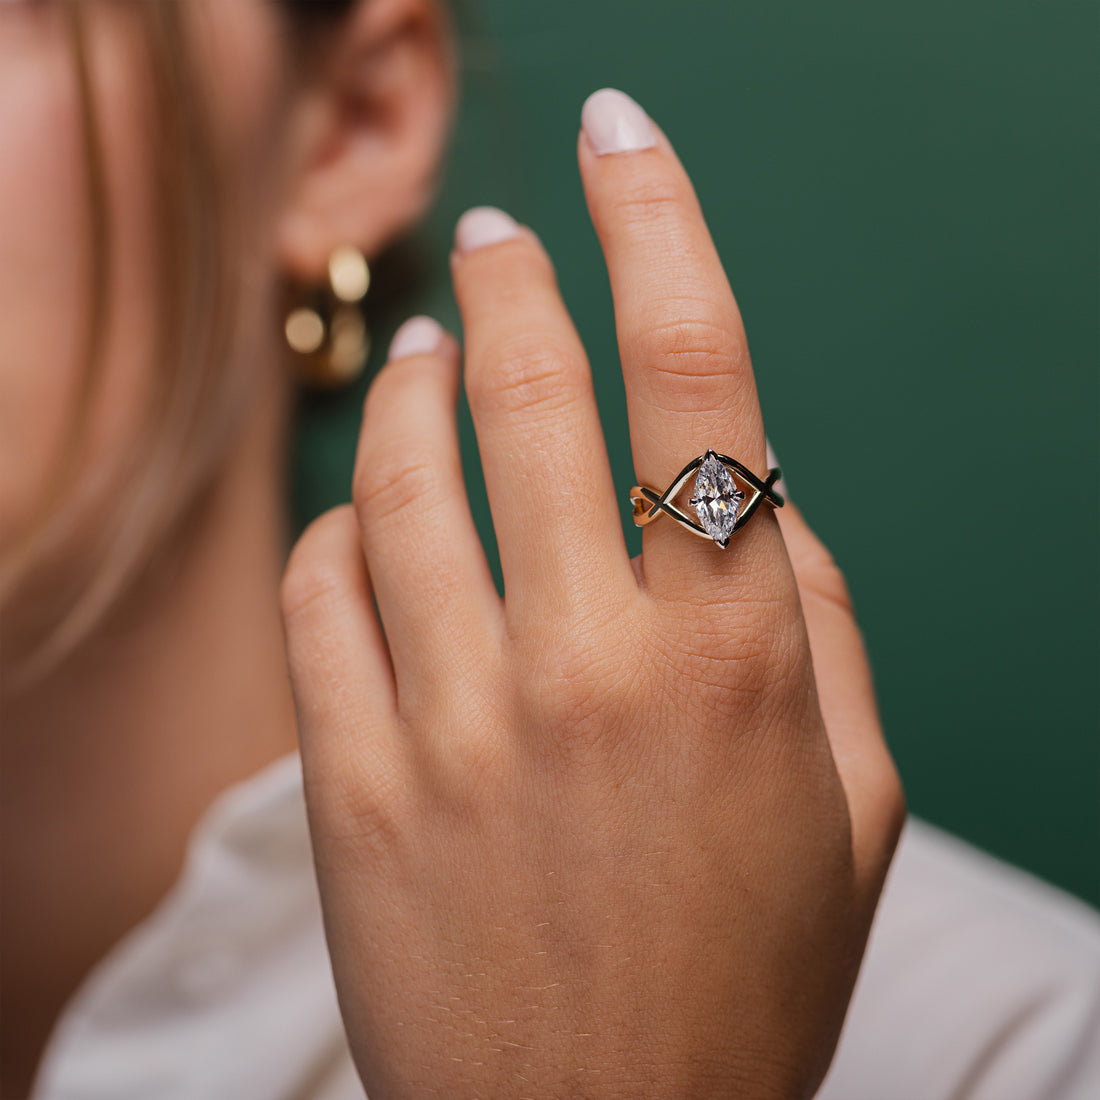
<point>184,690</point>
<point>617,843</point>
<point>625,786</point>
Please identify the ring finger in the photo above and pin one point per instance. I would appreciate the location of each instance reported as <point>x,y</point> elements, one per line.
<point>689,380</point>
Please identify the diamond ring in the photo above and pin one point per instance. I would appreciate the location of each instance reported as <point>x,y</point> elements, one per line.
<point>720,505</point>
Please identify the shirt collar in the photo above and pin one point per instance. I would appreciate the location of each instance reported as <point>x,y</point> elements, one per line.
<point>225,990</point>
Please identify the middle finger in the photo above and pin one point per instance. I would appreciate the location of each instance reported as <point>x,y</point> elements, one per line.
<point>530,390</point>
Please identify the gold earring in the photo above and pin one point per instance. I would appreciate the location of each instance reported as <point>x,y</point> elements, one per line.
<point>324,324</point>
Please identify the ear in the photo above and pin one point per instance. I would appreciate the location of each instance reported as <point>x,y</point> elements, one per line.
<point>369,129</point>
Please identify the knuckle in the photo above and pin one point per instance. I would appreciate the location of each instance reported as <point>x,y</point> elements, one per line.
<point>577,688</point>
<point>394,468</point>
<point>530,377</point>
<point>314,579</point>
<point>694,347</point>
<point>387,485</point>
<point>825,579</point>
<point>309,588</point>
<point>747,625</point>
<point>712,672</point>
<point>469,777</point>
<point>360,807</point>
<point>648,201</point>
<point>747,663</point>
<point>815,568</point>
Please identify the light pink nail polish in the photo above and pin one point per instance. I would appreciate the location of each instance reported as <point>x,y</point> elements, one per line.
<point>614,123</point>
<point>484,225</point>
<point>417,336</point>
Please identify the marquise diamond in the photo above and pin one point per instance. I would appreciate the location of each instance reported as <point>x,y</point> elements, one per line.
<point>717,500</point>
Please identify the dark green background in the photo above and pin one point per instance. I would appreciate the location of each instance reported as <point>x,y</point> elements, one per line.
<point>904,196</point>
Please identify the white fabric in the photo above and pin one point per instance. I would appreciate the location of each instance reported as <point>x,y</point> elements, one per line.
<point>980,982</point>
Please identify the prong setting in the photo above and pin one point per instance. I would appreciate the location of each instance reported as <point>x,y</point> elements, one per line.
<point>721,507</point>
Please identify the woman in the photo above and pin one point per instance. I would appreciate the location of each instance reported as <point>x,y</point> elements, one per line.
<point>615,834</point>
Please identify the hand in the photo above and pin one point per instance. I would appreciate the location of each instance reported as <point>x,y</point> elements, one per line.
<point>604,837</point>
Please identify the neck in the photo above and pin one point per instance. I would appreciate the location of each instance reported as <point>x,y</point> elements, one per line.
<point>108,765</point>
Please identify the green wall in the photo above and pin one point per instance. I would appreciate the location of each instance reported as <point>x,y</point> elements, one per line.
<point>904,196</point>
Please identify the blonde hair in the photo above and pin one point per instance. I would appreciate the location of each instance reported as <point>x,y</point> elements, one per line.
<point>187,428</point>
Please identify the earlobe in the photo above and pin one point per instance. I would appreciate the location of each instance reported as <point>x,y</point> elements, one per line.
<point>370,129</point>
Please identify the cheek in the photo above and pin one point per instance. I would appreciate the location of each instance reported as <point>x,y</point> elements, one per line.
<point>43,261</point>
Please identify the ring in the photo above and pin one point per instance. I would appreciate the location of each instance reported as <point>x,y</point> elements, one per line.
<point>721,506</point>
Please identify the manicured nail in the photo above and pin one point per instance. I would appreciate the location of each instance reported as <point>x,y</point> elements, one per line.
<point>417,336</point>
<point>614,123</point>
<point>484,225</point>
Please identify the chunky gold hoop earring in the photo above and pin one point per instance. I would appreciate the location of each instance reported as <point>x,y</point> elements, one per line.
<point>324,323</point>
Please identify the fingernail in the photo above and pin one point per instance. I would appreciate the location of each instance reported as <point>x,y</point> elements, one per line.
<point>614,123</point>
<point>484,225</point>
<point>417,336</point>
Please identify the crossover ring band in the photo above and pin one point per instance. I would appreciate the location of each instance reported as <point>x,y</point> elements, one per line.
<point>721,507</point>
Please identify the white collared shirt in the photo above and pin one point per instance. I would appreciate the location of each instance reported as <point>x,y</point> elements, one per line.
<point>980,983</point>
